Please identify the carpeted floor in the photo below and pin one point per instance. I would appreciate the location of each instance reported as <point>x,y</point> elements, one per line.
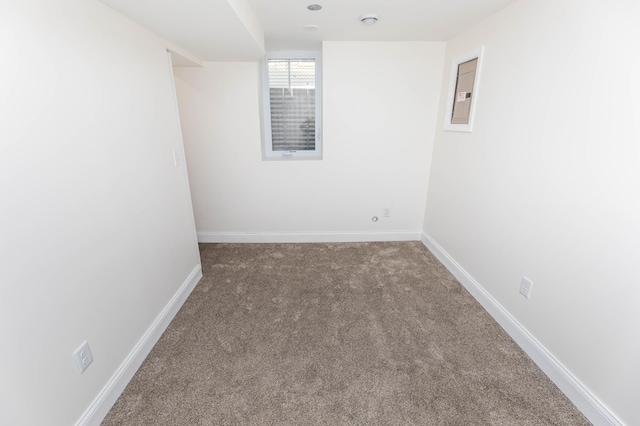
<point>335,334</point>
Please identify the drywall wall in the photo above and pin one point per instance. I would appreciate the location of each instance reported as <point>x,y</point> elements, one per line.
<point>380,109</point>
<point>548,184</point>
<point>96,231</point>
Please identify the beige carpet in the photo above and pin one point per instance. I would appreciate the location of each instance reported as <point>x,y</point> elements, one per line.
<point>335,334</point>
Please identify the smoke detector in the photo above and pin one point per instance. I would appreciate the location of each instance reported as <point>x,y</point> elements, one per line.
<point>369,18</point>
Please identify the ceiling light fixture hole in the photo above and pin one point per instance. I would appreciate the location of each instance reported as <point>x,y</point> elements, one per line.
<point>369,18</point>
<point>314,7</point>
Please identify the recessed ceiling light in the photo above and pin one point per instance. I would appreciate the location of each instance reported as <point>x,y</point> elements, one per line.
<point>311,27</point>
<point>314,7</point>
<point>369,18</point>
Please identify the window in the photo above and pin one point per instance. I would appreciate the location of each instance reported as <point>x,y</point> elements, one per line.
<point>292,105</point>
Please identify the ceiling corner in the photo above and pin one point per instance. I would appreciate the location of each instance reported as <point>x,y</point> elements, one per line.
<point>212,30</point>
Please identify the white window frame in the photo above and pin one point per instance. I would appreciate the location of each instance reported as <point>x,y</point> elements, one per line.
<point>451,94</point>
<point>267,146</point>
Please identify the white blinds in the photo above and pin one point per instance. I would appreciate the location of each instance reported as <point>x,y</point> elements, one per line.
<point>292,101</point>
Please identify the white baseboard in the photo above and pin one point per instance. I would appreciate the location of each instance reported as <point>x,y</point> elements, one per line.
<point>578,393</point>
<point>114,387</point>
<point>597,412</point>
<point>318,237</point>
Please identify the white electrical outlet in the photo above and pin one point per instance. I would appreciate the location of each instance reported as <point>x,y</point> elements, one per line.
<point>386,212</point>
<point>526,285</point>
<point>83,356</point>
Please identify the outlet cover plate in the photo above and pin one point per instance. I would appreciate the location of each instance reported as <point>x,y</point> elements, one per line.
<point>526,285</point>
<point>83,356</point>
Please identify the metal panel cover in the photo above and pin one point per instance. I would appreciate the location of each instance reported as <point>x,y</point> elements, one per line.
<point>464,92</point>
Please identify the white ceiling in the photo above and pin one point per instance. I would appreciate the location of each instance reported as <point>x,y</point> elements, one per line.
<point>212,30</point>
<point>339,20</point>
<point>230,30</point>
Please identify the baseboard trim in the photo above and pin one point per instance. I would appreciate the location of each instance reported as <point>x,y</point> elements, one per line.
<point>114,387</point>
<point>596,411</point>
<point>317,237</point>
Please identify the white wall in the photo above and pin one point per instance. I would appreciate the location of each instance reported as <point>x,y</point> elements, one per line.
<point>96,231</point>
<point>380,109</point>
<point>548,184</point>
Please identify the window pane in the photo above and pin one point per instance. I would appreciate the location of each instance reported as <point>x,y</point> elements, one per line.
<point>292,96</point>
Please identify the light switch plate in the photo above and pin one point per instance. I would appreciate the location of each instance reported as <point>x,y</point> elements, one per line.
<point>177,158</point>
